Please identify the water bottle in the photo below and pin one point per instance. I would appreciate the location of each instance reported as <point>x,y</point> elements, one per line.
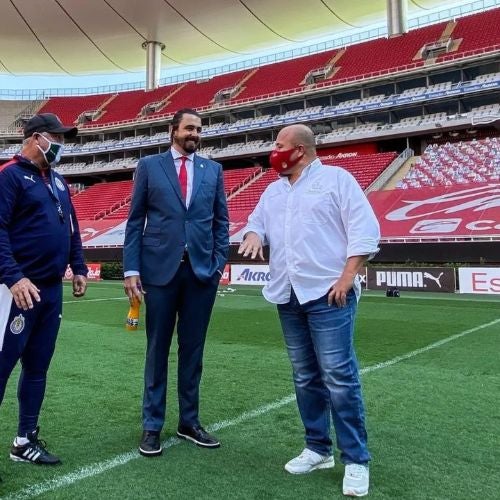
<point>133,314</point>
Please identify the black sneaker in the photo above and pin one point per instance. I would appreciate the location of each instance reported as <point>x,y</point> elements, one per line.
<point>33,451</point>
<point>150,444</point>
<point>198,435</point>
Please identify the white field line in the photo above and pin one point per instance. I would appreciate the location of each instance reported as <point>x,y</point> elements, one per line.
<point>100,467</point>
<point>93,300</point>
<point>224,295</point>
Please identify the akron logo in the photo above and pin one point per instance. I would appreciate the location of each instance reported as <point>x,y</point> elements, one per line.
<point>17,324</point>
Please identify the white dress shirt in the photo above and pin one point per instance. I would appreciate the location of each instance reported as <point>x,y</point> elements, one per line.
<point>189,167</point>
<point>312,226</point>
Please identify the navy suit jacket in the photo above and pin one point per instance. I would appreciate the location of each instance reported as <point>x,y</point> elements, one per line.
<point>160,227</point>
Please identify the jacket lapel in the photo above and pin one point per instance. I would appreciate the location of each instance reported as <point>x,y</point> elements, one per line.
<point>168,166</point>
<point>198,174</point>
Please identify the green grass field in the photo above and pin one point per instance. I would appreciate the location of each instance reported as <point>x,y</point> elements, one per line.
<point>431,380</point>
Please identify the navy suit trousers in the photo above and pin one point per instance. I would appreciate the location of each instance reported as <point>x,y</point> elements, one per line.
<point>30,336</point>
<point>187,301</point>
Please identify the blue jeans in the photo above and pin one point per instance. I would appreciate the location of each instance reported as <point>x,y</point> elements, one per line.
<point>319,340</point>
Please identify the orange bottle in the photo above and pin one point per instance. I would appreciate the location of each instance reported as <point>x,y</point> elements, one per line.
<point>133,314</point>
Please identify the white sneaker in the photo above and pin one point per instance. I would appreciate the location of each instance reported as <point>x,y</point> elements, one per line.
<point>356,480</point>
<point>308,461</point>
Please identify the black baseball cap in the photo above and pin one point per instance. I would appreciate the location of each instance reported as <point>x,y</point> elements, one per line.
<point>48,122</point>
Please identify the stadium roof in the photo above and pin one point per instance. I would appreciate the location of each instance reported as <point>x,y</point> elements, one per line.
<point>75,37</point>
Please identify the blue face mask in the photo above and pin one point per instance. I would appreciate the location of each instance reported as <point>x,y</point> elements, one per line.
<point>53,152</point>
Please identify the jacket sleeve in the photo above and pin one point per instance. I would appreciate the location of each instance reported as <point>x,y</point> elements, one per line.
<point>10,272</point>
<point>220,226</point>
<point>136,220</point>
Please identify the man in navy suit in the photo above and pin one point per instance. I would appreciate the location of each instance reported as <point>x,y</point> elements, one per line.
<point>176,247</point>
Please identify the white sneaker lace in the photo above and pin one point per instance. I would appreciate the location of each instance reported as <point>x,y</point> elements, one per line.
<point>356,471</point>
<point>306,454</point>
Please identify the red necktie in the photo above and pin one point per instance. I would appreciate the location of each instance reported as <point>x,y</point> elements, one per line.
<point>183,177</point>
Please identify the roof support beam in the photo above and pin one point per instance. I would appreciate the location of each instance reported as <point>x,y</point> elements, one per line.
<point>397,17</point>
<point>153,63</point>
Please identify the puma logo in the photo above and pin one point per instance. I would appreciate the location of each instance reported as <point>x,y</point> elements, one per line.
<point>433,278</point>
<point>30,178</point>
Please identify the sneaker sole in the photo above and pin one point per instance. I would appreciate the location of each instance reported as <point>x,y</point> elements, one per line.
<point>197,443</point>
<point>322,465</point>
<point>354,493</point>
<point>15,458</point>
<point>155,453</point>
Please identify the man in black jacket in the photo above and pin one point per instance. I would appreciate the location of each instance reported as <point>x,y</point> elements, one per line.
<point>39,237</point>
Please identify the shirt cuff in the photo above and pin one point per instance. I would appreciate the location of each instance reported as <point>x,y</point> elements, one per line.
<point>368,248</point>
<point>127,274</point>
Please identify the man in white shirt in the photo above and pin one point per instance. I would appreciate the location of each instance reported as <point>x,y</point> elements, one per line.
<point>320,230</point>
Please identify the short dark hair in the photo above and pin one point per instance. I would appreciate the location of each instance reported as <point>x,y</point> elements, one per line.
<point>176,119</point>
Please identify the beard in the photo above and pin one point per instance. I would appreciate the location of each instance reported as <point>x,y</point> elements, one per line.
<point>190,145</point>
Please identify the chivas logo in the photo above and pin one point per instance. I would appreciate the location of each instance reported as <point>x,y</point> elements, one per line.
<point>17,324</point>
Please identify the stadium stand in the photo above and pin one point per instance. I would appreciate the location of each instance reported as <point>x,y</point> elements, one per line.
<point>217,89</point>
<point>242,111</point>
<point>12,110</point>
<point>355,61</point>
<point>385,53</point>
<point>365,168</point>
<point>102,199</point>
<point>476,31</point>
<point>136,104</point>
<point>236,178</point>
<point>283,75</point>
<point>233,180</point>
<point>459,163</point>
<point>71,109</point>
<point>247,198</point>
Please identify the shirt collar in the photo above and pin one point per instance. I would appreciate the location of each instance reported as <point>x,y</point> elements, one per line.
<point>305,173</point>
<point>26,162</point>
<point>176,155</point>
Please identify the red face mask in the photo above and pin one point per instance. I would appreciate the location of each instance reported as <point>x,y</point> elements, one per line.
<point>280,160</point>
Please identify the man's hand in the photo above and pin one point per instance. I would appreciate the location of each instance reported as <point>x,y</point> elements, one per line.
<point>251,245</point>
<point>79,285</point>
<point>338,292</point>
<point>133,288</point>
<point>24,291</point>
